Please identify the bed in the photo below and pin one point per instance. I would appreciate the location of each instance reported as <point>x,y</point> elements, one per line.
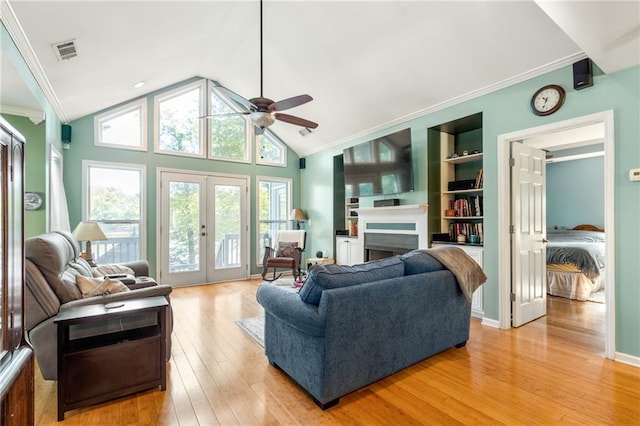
<point>575,262</point>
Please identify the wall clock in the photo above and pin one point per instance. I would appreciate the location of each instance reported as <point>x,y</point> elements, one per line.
<point>32,201</point>
<point>547,100</point>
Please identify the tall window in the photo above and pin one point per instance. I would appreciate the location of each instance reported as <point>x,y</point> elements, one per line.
<point>270,150</point>
<point>115,199</point>
<point>274,205</point>
<point>177,124</point>
<point>123,127</point>
<point>228,130</point>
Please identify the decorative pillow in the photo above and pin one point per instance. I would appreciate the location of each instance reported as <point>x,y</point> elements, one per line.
<point>102,270</point>
<point>287,249</point>
<point>91,287</point>
<point>420,261</point>
<point>326,277</point>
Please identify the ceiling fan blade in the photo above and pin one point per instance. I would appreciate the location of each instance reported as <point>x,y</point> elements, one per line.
<point>296,120</point>
<point>290,103</point>
<point>235,97</point>
<point>258,130</point>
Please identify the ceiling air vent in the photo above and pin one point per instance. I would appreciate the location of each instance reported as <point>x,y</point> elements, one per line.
<point>66,49</point>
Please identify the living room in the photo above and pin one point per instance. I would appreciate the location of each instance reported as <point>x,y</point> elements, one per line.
<point>505,109</point>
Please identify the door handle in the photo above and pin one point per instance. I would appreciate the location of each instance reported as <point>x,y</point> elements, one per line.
<point>202,234</point>
<point>545,241</point>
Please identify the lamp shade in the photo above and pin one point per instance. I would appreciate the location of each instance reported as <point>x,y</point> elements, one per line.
<point>298,215</point>
<point>89,231</point>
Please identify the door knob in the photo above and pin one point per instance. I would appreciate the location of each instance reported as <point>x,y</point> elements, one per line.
<point>202,234</point>
<point>545,241</point>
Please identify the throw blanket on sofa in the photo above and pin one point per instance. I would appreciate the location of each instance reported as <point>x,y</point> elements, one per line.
<point>467,272</point>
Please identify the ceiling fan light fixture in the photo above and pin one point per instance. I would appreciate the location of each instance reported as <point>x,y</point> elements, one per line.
<point>262,119</point>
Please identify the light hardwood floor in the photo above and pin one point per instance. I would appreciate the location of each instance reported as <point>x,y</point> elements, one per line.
<point>547,372</point>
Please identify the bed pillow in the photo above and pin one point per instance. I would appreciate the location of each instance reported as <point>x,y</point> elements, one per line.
<point>326,277</point>
<point>90,287</point>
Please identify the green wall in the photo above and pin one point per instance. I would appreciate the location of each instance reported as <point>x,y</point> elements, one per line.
<point>504,111</point>
<point>39,137</point>
<point>82,148</point>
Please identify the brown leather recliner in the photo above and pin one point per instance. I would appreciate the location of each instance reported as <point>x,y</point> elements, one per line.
<point>52,263</point>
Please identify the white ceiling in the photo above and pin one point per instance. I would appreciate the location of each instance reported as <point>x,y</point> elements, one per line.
<point>367,64</point>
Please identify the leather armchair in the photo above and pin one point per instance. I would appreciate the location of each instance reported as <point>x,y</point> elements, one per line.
<point>52,263</point>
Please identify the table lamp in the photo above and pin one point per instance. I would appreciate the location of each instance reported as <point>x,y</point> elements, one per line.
<point>298,216</point>
<point>89,231</point>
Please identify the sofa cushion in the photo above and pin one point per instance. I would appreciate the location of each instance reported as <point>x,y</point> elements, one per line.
<point>91,287</point>
<point>102,270</point>
<point>326,277</point>
<point>420,261</point>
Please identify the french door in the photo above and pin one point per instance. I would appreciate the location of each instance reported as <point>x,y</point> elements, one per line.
<point>204,232</point>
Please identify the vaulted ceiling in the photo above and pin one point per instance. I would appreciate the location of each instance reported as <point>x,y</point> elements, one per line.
<point>366,64</point>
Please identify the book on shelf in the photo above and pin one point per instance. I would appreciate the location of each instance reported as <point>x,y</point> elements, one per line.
<point>479,176</point>
<point>466,228</point>
<point>467,207</point>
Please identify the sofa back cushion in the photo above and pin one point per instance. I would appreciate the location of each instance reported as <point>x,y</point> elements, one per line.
<point>420,261</point>
<point>326,277</point>
<point>56,256</point>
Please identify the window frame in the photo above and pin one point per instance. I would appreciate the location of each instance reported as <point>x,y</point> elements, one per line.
<point>259,180</point>
<point>202,107</point>
<point>275,140</point>
<point>249,132</point>
<point>142,168</point>
<point>113,113</point>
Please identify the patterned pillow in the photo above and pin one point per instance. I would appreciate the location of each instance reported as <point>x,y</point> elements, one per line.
<point>91,287</point>
<point>286,249</point>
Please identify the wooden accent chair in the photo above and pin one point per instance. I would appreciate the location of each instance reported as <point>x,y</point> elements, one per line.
<point>286,253</point>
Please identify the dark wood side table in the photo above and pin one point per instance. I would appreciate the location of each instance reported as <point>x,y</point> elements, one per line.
<point>114,364</point>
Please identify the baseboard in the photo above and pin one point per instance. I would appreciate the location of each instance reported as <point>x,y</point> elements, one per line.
<point>490,322</point>
<point>628,359</point>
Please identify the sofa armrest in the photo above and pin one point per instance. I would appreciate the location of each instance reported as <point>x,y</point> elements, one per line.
<point>158,290</point>
<point>287,306</point>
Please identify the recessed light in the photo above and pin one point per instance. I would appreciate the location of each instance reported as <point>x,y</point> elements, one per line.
<point>139,84</point>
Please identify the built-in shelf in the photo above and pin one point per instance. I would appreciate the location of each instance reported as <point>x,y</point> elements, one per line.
<point>463,159</point>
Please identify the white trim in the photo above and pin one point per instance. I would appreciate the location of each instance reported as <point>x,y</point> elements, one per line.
<point>575,157</point>
<point>142,168</point>
<point>12,24</point>
<point>36,116</point>
<point>541,70</point>
<point>138,104</point>
<point>504,261</point>
<point>201,85</point>
<point>628,359</point>
<point>490,322</point>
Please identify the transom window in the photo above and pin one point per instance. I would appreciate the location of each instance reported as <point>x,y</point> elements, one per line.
<point>123,127</point>
<point>270,150</point>
<point>178,128</point>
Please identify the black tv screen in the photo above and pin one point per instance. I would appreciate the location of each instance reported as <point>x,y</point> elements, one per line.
<point>380,166</point>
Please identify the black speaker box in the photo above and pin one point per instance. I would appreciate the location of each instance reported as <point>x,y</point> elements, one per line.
<point>303,163</point>
<point>582,74</point>
<point>386,203</point>
<point>458,185</point>
<point>66,133</point>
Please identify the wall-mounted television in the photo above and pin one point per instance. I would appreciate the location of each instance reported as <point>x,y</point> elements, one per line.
<point>380,166</point>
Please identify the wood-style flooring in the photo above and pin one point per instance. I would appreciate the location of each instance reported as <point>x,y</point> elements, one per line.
<point>547,372</point>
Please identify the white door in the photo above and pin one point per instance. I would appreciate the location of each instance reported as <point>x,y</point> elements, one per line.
<point>528,232</point>
<point>203,232</point>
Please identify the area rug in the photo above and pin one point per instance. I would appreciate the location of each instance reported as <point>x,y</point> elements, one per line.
<point>254,327</point>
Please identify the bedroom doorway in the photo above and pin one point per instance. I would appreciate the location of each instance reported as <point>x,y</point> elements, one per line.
<point>545,137</point>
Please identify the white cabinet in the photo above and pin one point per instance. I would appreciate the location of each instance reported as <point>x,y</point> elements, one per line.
<point>477,254</point>
<point>348,251</point>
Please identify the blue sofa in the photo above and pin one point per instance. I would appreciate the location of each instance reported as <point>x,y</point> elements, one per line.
<point>351,326</point>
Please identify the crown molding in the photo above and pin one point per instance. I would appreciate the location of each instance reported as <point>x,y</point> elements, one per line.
<point>11,23</point>
<point>36,116</point>
<point>528,75</point>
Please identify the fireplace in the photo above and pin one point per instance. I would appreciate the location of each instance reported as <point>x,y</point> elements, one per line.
<point>378,245</point>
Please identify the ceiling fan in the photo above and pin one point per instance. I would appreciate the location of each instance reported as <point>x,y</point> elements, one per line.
<point>263,112</point>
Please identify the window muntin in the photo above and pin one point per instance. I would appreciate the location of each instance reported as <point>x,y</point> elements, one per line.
<point>115,199</point>
<point>270,151</point>
<point>228,134</point>
<point>124,127</point>
<point>274,206</point>
<point>178,128</point>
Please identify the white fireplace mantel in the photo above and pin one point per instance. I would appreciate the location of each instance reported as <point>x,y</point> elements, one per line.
<point>407,219</point>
